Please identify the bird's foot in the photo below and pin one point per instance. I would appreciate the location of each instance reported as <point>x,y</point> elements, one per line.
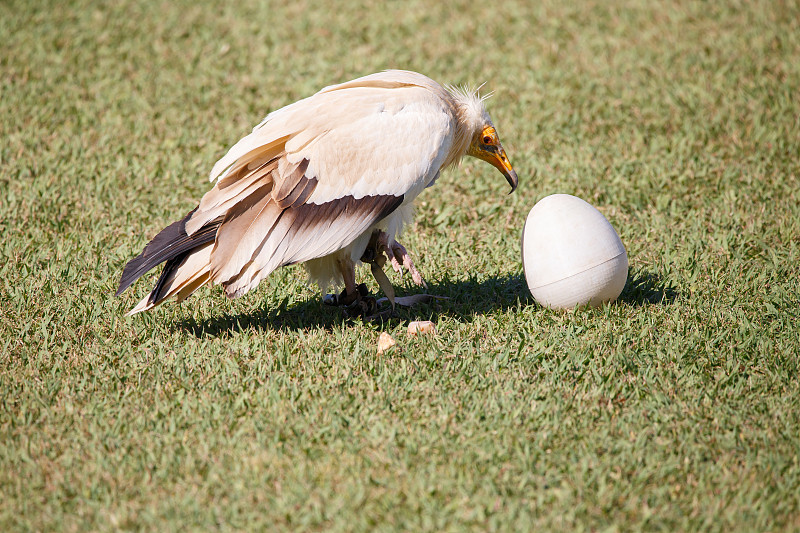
<point>398,256</point>
<point>357,303</point>
<point>365,307</point>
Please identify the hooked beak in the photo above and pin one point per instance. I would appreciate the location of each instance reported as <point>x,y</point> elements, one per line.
<point>496,156</point>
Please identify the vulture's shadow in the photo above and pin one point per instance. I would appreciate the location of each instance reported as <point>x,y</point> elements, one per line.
<point>462,300</point>
<point>465,299</point>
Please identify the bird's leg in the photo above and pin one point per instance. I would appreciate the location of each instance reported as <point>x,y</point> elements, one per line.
<point>354,298</point>
<point>348,271</point>
<point>399,257</point>
<point>404,258</point>
<point>376,259</point>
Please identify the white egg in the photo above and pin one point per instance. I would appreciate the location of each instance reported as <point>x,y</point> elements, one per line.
<point>571,254</point>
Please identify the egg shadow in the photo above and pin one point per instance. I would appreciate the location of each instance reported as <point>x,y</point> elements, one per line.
<point>647,288</point>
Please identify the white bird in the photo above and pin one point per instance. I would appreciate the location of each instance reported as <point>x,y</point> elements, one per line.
<point>328,181</point>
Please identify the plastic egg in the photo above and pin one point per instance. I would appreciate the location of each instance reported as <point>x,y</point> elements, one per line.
<point>571,254</point>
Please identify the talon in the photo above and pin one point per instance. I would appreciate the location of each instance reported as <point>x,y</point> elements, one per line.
<point>369,305</point>
<point>399,251</point>
<point>396,265</point>
<point>347,299</point>
<point>363,306</point>
<point>362,290</point>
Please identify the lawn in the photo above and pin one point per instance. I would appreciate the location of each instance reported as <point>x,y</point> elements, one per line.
<point>675,409</point>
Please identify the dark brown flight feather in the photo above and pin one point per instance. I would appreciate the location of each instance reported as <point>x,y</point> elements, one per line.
<point>172,243</point>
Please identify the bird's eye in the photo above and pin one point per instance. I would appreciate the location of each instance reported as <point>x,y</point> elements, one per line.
<point>487,139</point>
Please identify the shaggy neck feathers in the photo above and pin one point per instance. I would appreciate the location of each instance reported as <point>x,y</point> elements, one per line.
<point>471,116</point>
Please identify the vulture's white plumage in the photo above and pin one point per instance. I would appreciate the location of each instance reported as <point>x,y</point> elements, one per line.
<point>319,182</point>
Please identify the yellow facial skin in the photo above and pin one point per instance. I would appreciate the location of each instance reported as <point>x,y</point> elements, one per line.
<point>488,148</point>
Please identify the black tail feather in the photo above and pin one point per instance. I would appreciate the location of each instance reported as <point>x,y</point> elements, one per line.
<point>169,266</point>
<point>171,244</point>
<point>206,234</point>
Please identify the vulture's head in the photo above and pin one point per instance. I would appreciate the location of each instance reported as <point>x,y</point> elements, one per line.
<point>480,134</point>
<point>486,145</point>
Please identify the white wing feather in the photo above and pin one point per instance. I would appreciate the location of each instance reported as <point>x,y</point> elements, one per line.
<point>395,147</point>
<point>383,136</point>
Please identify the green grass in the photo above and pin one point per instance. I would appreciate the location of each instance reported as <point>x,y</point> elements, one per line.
<point>675,409</point>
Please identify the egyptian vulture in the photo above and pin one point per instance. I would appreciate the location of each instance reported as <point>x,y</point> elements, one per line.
<point>328,181</point>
